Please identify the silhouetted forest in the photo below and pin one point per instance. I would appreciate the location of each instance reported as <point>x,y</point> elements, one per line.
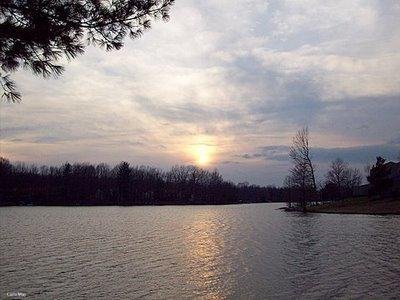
<point>87,184</point>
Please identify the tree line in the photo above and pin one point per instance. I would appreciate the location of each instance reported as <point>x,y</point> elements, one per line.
<point>123,184</point>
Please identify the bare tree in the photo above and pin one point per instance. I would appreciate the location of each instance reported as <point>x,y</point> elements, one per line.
<point>300,154</point>
<point>337,174</point>
<point>289,185</point>
<point>302,175</point>
<point>342,178</point>
<point>354,178</point>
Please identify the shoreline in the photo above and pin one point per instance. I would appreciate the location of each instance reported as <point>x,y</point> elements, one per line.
<point>359,206</point>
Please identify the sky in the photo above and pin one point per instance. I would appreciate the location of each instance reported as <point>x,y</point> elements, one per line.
<point>224,84</point>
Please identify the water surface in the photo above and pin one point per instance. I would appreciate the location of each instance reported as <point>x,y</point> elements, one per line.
<point>235,251</point>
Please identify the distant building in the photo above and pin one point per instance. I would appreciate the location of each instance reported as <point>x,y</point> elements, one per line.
<point>362,190</point>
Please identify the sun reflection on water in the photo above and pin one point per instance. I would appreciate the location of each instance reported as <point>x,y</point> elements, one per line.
<point>205,257</point>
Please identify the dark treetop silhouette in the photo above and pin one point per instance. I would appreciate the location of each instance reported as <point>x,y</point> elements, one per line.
<point>379,177</point>
<point>86,184</point>
<point>35,34</point>
<point>341,180</point>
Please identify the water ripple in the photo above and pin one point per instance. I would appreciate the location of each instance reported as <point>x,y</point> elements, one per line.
<point>211,252</point>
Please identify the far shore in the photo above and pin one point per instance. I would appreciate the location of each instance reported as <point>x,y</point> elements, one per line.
<point>364,205</point>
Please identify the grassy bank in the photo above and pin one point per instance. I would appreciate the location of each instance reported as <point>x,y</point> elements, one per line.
<point>362,205</point>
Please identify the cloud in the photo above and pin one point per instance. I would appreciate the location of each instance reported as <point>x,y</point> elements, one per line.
<point>189,112</point>
<point>357,155</point>
<point>242,76</point>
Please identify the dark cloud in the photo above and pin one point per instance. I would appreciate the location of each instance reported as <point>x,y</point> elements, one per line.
<point>395,140</point>
<point>185,113</point>
<point>358,155</point>
<point>229,162</point>
<point>11,131</point>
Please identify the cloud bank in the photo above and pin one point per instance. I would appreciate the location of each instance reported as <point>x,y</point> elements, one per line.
<point>240,76</point>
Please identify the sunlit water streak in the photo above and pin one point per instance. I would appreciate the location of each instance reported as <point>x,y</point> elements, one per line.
<point>212,252</point>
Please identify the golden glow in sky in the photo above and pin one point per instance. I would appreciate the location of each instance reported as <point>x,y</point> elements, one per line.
<point>202,151</point>
<point>203,154</point>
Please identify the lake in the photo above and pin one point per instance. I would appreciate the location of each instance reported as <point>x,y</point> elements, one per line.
<point>234,251</point>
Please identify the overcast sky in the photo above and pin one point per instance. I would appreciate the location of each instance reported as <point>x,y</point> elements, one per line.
<point>232,79</point>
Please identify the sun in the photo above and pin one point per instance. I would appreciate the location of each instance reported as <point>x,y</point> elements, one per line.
<point>203,156</point>
<point>201,150</point>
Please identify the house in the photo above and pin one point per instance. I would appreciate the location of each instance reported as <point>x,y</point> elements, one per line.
<point>361,190</point>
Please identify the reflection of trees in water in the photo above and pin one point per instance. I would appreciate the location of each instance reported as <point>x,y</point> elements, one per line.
<point>303,253</point>
<point>340,255</point>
